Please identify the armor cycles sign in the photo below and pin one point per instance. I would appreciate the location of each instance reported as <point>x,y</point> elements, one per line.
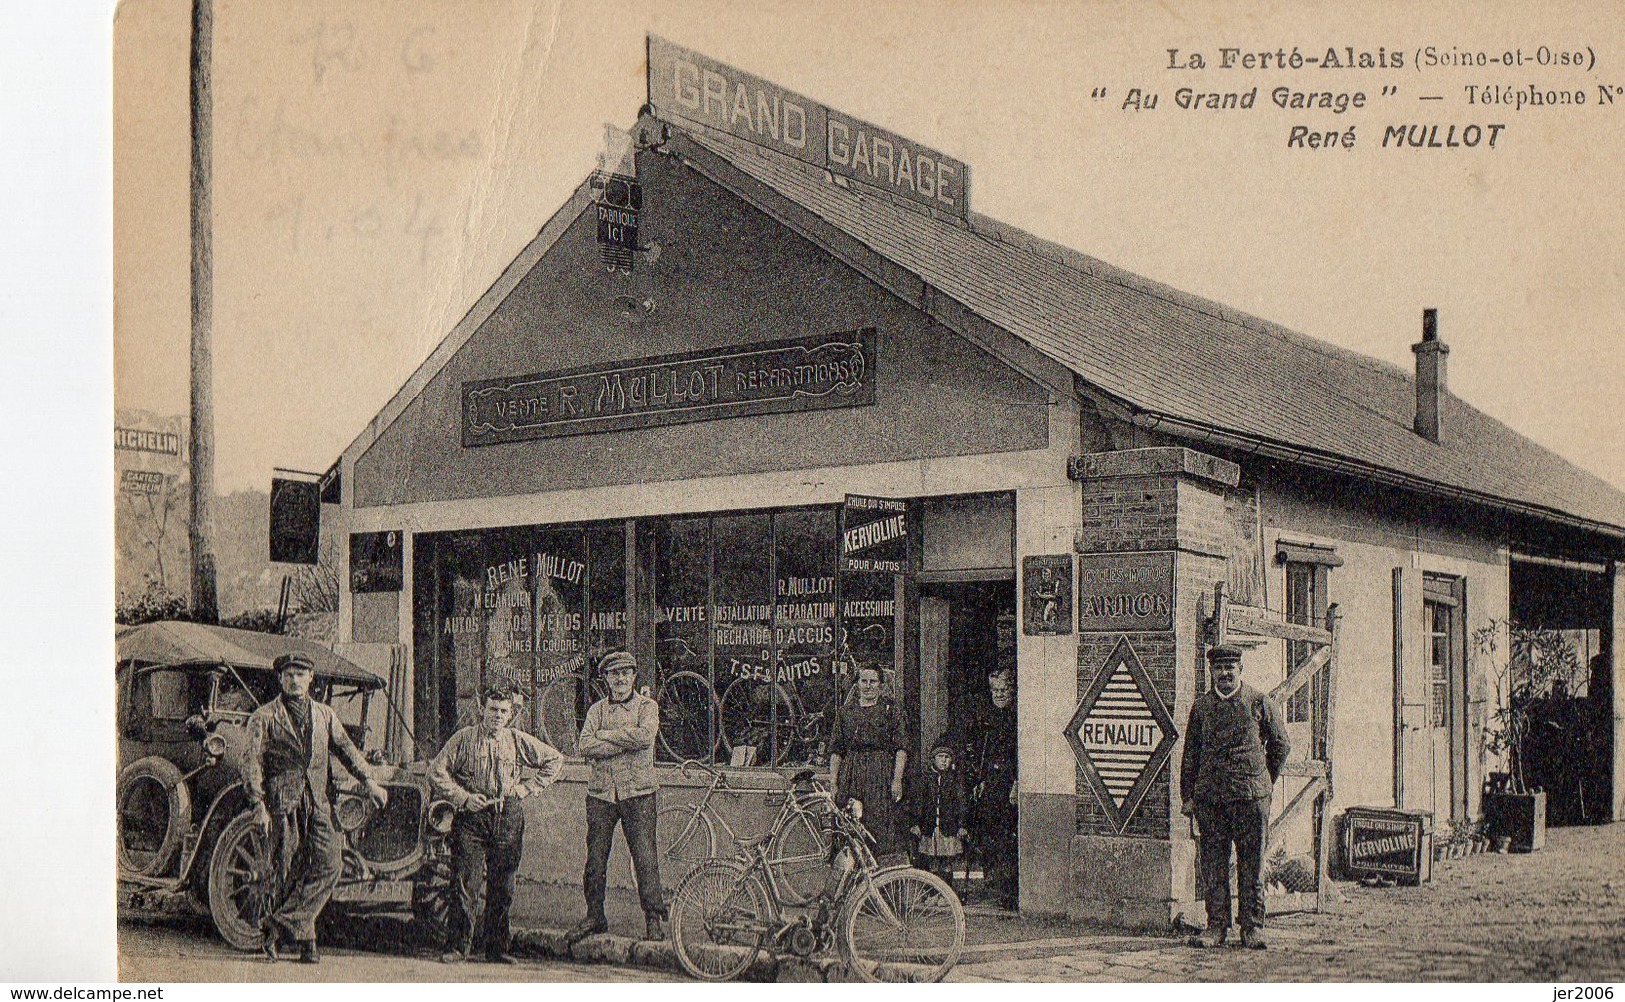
<point>1125,592</point>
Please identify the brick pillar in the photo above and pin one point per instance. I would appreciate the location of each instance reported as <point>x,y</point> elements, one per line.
<point>1153,544</point>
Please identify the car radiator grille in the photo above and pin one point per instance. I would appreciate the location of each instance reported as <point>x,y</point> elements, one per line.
<point>392,834</point>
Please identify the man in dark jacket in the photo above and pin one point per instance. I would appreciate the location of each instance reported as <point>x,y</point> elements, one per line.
<point>1234,748</point>
<point>291,743</point>
<point>987,737</point>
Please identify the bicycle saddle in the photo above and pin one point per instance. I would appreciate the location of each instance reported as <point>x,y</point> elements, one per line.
<point>803,776</point>
<point>750,842</point>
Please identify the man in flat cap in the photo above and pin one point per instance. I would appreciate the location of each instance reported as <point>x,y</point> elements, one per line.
<point>288,775</point>
<point>618,738</point>
<point>479,771</point>
<point>1234,748</point>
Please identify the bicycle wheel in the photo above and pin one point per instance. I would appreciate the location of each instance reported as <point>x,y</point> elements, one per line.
<point>561,707</point>
<point>799,858</point>
<point>685,837</point>
<point>748,716</point>
<point>690,717</point>
<point>905,925</point>
<point>720,918</point>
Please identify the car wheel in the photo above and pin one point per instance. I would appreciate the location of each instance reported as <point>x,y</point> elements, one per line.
<point>154,812</point>
<point>239,869</point>
<point>431,898</point>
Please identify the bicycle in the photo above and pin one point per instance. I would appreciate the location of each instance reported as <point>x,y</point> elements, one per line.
<point>686,834</point>
<point>796,729</point>
<point>891,924</point>
<point>690,714</point>
<point>562,705</point>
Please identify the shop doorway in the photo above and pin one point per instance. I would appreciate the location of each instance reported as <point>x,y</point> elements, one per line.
<point>967,632</point>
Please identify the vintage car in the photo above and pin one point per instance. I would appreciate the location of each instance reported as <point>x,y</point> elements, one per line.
<point>186,836</point>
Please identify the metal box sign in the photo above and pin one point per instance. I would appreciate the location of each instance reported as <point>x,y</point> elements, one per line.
<point>1388,843</point>
<point>1046,594</point>
<point>802,374</point>
<point>1125,592</point>
<point>686,85</point>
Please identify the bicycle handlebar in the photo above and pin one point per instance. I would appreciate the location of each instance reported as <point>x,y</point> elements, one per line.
<point>701,766</point>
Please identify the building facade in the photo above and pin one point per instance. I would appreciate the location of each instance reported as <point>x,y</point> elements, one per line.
<point>799,424</point>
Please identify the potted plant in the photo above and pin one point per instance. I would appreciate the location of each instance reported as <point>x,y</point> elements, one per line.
<point>1537,661</point>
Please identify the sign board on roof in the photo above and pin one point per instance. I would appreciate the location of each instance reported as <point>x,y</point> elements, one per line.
<point>685,85</point>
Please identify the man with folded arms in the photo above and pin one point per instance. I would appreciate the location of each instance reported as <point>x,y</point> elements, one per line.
<point>618,738</point>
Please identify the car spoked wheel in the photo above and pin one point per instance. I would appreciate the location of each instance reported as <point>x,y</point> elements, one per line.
<point>431,897</point>
<point>239,871</point>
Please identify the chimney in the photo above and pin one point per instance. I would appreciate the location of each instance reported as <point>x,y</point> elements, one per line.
<point>1431,355</point>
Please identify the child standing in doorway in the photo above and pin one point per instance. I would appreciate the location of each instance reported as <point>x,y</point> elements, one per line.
<point>939,818</point>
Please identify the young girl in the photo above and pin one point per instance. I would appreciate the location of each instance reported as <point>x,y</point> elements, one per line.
<point>939,806</point>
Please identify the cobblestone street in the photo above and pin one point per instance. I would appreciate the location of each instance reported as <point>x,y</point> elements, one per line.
<point>1554,915</point>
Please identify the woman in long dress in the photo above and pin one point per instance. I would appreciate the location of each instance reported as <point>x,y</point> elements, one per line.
<point>867,758</point>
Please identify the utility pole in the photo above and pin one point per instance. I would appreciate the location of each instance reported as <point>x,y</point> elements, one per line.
<point>200,530</point>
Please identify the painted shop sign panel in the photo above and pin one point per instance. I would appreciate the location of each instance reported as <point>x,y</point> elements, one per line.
<point>874,535</point>
<point>686,85</point>
<point>1125,592</point>
<point>1121,734</point>
<point>799,374</point>
<point>296,518</point>
<point>1046,595</point>
<point>375,561</point>
<point>144,482</point>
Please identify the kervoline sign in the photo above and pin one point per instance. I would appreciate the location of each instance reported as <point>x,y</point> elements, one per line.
<point>1387,843</point>
<point>874,535</point>
<point>686,85</point>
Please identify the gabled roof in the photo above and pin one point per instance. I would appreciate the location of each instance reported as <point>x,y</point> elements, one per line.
<point>1170,356</point>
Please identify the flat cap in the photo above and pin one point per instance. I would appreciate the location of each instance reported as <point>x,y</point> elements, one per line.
<point>617,659</point>
<point>1224,654</point>
<point>293,662</point>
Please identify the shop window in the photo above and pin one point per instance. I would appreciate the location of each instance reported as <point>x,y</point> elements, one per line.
<point>745,630</point>
<point>804,625</point>
<point>530,607</point>
<point>678,562</point>
<point>742,633</point>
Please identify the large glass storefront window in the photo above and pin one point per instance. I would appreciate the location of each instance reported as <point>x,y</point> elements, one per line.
<point>746,633</point>
<point>531,607</point>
